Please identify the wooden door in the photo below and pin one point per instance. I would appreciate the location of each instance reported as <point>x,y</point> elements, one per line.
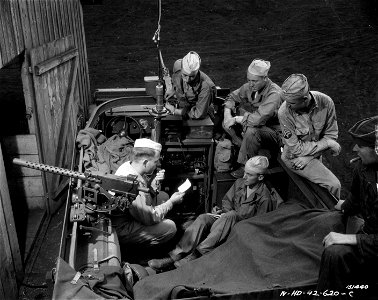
<point>10,258</point>
<point>56,105</point>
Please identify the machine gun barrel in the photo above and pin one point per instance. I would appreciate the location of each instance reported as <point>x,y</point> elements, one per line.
<point>108,181</point>
<point>55,170</point>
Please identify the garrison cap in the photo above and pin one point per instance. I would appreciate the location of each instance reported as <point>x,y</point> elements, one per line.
<point>295,87</point>
<point>259,67</point>
<point>147,143</point>
<point>191,62</point>
<point>258,164</point>
<point>365,132</point>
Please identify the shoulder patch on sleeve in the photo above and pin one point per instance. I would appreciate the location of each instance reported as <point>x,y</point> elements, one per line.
<point>287,134</point>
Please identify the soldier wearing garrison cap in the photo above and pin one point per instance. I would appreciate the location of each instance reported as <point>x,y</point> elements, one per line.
<point>350,259</point>
<point>248,197</point>
<point>144,223</point>
<point>309,127</point>
<point>250,115</point>
<point>193,89</point>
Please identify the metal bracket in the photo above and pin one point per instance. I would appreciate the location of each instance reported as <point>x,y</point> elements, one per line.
<point>77,212</point>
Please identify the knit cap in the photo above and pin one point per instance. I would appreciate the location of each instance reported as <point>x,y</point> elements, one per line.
<point>364,132</point>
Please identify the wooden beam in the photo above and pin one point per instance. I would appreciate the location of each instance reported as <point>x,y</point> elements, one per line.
<point>29,95</point>
<point>49,64</point>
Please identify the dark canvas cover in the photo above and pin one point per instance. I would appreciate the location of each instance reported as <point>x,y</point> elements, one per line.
<point>274,251</point>
<point>106,283</point>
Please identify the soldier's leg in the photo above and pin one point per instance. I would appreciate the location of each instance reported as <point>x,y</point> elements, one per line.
<point>135,233</point>
<point>218,232</point>
<point>342,266</point>
<point>256,138</point>
<point>192,236</point>
<point>318,173</point>
<point>336,267</point>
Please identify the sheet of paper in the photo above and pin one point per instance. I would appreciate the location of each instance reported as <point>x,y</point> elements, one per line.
<point>185,186</point>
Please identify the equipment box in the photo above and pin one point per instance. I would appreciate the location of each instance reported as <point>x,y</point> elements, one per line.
<point>198,129</point>
<point>174,128</point>
<point>222,182</point>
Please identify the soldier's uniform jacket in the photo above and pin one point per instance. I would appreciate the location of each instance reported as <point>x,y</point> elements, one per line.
<point>364,200</point>
<point>257,203</point>
<point>142,208</point>
<point>306,134</point>
<point>196,99</point>
<point>257,109</point>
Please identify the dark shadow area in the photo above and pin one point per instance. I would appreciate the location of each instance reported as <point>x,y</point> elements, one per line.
<point>370,9</point>
<point>13,110</point>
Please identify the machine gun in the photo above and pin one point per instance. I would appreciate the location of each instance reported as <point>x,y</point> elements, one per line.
<point>99,193</point>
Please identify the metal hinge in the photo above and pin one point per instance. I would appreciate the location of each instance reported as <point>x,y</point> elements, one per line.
<point>29,113</point>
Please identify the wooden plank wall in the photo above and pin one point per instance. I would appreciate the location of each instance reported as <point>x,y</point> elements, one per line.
<point>10,257</point>
<point>27,183</point>
<point>26,24</point>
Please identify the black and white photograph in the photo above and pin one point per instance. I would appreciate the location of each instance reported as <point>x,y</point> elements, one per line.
<point>167,149</point>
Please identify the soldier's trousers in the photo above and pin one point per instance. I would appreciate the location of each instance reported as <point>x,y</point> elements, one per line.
<point>318,173</point>
<point>204,234</point>
<point>342,266</point>
<point>255,139</point>
<point>132,232</point>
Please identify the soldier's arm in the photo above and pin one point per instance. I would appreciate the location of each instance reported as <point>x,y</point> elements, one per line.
<point>199,111</point>
<point>233,99</point>
<point>147,214</point>
<point>294,146</point>
<point>227,201</point>
<point>331,130</point>
<point>266,110</point>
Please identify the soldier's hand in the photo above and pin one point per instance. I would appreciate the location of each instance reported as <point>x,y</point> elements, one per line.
<point>170,107</point>
<point>177,197</point>
<point>160,175</point>
<point>229,122</point>
<point>334,147</point>
<point>169,93</point>
<point>333,238</point>
<point>216,210</point>
<point>338,205</point>
<point>299,163</point>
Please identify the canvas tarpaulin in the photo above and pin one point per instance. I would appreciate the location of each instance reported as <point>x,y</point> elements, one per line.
<point>280,249</point>
<point>106,283</point>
